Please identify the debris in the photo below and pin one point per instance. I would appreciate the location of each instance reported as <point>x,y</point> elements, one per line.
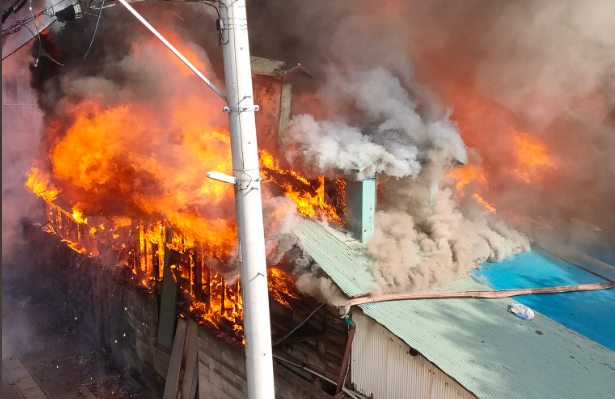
<point>521,311</point>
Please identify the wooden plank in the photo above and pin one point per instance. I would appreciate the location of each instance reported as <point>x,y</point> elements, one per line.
<point>285,104</point>
<point>168,300</point>
<point>336,339</point>
<point>191,354</point>
<point>172,385</point>
<point>195,385</point>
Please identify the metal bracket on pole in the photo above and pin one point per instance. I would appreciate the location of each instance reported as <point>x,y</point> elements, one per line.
<point>221,177</point>
<point>240,109</point>
<point>249,184</point>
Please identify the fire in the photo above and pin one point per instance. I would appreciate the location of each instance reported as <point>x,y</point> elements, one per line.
<point>309,201</point>
<point>78,216</point>
<point>279,286</point>
<point>474,176</point>
<point>39,183</point>
<point>467,174</point>
<point>140,164</point>
<point>532,157</point>
<point>484,203</point>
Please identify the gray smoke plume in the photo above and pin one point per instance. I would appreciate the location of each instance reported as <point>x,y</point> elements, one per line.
<point>391,137</point>
<point>541,68</point>
<point>21,124</point>
<point>417,246</point>
<point>399,85</point>
<point>372,116</point>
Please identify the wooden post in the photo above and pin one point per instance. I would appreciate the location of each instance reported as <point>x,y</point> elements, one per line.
<point>222,296</point>
<point>168,300</point>
<point>198,273</point>
<point>208,299</point>
<point>340,381</point>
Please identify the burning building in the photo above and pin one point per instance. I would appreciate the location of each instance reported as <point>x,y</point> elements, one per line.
<point>363,195</point>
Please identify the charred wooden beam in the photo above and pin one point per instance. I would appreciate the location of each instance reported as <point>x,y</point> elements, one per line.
<point>208,297</point>
<point>198,275</point>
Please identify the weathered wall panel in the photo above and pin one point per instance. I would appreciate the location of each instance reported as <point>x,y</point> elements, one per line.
<point>382,365</point>
<point>222,372</point>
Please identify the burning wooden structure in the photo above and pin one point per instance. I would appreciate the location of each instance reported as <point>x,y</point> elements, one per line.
<point>192,277</point>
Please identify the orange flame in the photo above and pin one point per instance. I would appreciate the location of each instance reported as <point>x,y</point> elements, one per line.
<point>309,202</point>
<point>484,203</point>
<point>144,164</point>
<point>531,156</point>
<point>39,183</point>
<point>464,175</point>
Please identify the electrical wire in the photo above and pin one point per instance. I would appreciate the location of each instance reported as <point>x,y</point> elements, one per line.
<point>95,28</point>
<point>211,5</point>
<point>38,34</point>
<point>16,27</point>
<point>6,13</point>
<point>298,326</point>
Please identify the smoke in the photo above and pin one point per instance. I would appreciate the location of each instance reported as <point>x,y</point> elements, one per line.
<point>417,246</point>
<point>399,86</point>
<point>541,68</point>
<point>21,124</point>
<point>391,137</point>
<point>516,81</point>
<point>279,215</point>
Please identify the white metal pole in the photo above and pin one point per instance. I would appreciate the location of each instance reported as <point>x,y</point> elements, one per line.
<point>256,318</point>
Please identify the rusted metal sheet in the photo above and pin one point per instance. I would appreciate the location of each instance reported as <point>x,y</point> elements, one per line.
<point>384,366</point>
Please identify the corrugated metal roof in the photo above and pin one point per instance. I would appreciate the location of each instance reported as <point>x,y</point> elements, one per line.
<point>496,355</point>
<point>478,342</point>
<point>382,365</point>
<point>589,313</point>
<point>344,259</point>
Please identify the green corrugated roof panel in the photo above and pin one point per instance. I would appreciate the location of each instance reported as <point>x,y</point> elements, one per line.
<point>478,342</point>
<point>496,355</point>
<point>344,259</point>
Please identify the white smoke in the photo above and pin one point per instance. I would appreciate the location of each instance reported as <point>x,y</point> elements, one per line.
<point>375,127</point>
<point>279,216</point>
<point>332,147</point>
<point>417,246</point>
<point>388,136</point>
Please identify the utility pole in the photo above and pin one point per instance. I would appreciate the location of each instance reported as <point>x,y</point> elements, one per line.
<point>238,77</point>
<point>233,24</point>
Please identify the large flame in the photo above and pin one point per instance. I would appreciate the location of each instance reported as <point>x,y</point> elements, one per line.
<point>132,172</point>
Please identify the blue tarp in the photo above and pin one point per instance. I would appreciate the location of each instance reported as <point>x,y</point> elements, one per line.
<point>590,313</point>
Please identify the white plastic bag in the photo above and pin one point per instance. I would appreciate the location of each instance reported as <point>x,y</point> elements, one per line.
<point>521,311</point>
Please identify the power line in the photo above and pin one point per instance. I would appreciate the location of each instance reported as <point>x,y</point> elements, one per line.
<point>95,29</point>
